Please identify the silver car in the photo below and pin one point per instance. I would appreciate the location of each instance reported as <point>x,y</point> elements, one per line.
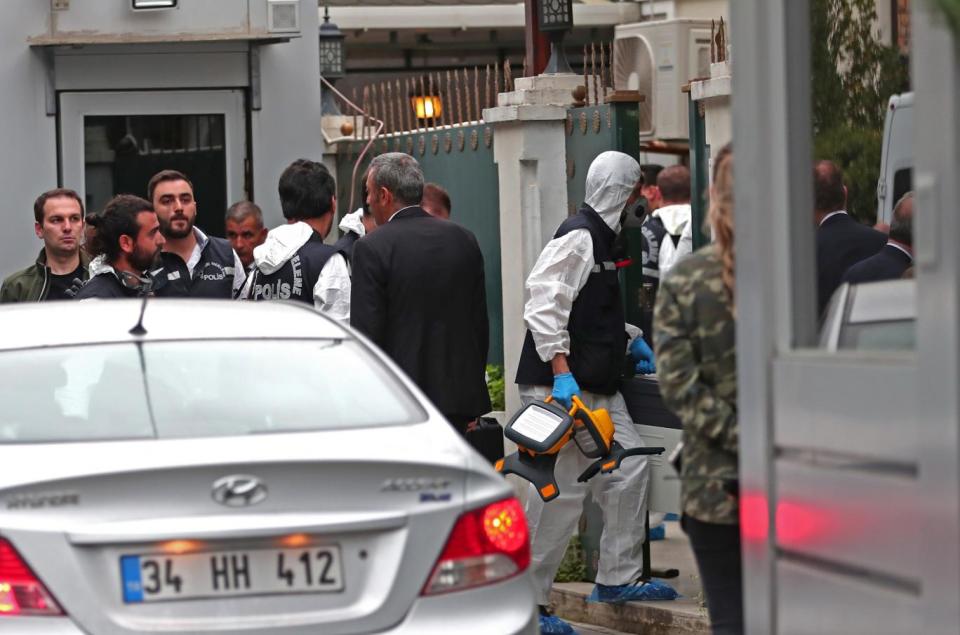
<point>875,316</point>
<point>204,467</point>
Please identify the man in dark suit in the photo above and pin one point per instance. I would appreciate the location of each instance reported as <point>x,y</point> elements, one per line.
<point>896,256</point>
<point>418,292</point>
<point>841,240</point>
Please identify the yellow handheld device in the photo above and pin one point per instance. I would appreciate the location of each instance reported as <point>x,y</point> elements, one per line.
<point>541,428</point>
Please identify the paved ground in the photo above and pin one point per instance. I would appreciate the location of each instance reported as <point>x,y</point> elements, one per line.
<point>684,616</point>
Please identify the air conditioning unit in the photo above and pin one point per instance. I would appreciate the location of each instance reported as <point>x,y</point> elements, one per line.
<point>658,58</point>
<point>283,16</point>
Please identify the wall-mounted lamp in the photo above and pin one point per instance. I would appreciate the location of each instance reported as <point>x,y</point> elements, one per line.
<point>555,19</point>
<point>332,60</point>
<point>140,5</point>
<point>426,107</point>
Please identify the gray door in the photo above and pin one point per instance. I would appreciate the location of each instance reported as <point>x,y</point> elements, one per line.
<point>113,142</point>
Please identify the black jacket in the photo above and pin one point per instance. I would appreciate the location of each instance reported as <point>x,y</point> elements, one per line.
<point>841,243</point>
<point>105,285</point>
<point>418,293</point>
<point>887,264</point>
<point>345,245</point>
<point>213,274</point>
<point>598,340</point>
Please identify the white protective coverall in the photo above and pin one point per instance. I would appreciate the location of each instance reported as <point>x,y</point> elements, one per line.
<point>331,293</point>
<point>558,276</point>
<point>353,222</point>
<point>677,220</point>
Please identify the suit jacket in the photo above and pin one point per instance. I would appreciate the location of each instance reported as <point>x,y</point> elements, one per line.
<point>841,243</point>
<point>418,293</point>
<point>887,264</point>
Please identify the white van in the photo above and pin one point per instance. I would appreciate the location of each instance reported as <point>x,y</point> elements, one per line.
<point>896,163</point>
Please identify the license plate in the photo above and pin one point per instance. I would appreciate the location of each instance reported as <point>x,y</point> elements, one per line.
<point>157,577</point>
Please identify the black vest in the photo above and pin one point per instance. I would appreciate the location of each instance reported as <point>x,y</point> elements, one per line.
<point>345,245</point>
<point>105,285</point>
<point>598,339</point>
<point>297,277</point>
<point>653,233</point>
<point>212,277</point>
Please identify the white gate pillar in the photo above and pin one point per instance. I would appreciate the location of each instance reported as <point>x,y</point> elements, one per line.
<point>530,153</point>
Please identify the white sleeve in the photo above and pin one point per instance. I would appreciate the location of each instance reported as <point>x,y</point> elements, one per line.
<point>561,271</point>
<point>239,274</point>
<point>331,295</point>
<point>670,255</point>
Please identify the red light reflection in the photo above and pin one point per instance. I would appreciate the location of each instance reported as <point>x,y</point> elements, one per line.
<point>754,517</point>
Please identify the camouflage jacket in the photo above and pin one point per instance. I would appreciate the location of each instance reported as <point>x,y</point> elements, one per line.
<point>694,339</point>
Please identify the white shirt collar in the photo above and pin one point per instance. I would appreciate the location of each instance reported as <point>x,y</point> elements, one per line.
<point>896,245</point>
<point>831,215</point>
<point>202,241</point>
<point>400,210</point>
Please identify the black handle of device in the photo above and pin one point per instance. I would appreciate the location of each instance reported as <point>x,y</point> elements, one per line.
<point>613,460</point>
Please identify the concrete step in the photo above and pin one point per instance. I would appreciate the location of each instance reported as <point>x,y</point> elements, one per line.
<point>683,616</point>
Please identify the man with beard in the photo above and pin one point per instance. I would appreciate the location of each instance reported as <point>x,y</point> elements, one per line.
<point>129,239</point>
<point>196,265</point>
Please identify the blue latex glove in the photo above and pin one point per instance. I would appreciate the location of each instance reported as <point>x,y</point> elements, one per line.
<point>641,351</point>
<point>646,368</point>
<point>564,388</point>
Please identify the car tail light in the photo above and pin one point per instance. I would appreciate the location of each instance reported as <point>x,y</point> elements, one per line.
<point>21,592</point>
<point>486,545</point>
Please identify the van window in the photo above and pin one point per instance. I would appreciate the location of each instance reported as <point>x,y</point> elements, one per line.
<point>902,183</point>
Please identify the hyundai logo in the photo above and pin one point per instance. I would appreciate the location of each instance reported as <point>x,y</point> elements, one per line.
<point>239,490</point>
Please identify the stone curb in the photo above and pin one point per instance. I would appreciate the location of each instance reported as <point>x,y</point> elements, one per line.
<point>648,618</point>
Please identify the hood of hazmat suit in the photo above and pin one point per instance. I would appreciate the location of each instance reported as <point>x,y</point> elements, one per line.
<point>353,222</point>
<point>610,181</point>
<point>280,246</point>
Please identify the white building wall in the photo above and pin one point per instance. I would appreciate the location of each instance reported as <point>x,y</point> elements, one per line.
<point>286,128</point>
<point>28,162</point>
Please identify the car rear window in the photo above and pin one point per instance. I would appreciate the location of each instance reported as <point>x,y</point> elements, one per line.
<point>196,389</point>
<point>892,335</point>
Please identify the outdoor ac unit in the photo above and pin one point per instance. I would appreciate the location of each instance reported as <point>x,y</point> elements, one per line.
<point>657,59</point>
<point>283,16</point>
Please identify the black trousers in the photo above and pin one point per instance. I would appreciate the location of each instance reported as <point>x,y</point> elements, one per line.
<point>717,550</point>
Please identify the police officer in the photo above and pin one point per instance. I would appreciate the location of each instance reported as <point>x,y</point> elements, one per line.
<point>195,265</point>
<point>575,344</point>
<point>294,263</point>
<point>129,241</point>
<point>665,231</point>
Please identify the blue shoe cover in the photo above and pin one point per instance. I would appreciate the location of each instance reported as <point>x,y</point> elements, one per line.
<point>553,625</point>
<point>650,590</point>
<point>659,532</point>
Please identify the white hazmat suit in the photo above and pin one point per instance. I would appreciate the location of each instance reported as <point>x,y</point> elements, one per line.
<point>331,293</point>
<point>677,219</point>
<point>561,272</point>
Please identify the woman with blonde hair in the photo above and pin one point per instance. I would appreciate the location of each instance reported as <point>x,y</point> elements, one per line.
<point>694,338</point>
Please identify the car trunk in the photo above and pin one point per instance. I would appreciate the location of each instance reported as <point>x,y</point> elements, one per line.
<point>128,537</point>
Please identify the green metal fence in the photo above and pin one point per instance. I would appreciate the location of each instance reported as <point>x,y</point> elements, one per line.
<point>460,159</point>
<point>592,130</point>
